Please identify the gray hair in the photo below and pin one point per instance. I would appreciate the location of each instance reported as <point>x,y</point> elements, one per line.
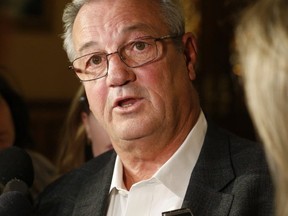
<point>171,11</point>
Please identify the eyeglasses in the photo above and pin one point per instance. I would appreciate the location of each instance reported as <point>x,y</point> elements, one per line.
<point>136,53</point>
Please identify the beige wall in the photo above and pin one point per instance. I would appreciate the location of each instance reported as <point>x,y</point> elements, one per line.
<point>36,61</point>
<point>192,13</point>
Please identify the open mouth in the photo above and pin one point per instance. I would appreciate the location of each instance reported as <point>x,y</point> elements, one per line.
<point>126,102</point>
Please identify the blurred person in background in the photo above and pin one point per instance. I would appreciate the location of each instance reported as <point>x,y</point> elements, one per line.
<point>82,136</point>
<point>262,44</point>
<point>15,131</point>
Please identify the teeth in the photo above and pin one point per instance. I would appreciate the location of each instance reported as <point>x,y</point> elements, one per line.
<point>126,105</point>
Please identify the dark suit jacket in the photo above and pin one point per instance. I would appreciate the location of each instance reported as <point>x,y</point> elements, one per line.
<point>230,178</point>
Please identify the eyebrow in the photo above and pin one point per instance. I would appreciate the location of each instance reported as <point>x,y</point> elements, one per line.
<point>87,45</point>
<point>137,26</point>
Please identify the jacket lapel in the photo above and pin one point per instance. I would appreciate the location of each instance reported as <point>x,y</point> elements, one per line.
<point>93,196</point>
<point>213,171</point>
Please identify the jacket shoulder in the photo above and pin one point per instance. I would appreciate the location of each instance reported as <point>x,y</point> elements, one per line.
<point>60,195</point>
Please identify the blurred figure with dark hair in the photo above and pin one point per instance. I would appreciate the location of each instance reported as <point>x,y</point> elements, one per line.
<point>16,118</point>
<point>14,131</point>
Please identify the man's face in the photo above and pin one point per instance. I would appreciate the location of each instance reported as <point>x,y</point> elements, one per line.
<point>133,103</point>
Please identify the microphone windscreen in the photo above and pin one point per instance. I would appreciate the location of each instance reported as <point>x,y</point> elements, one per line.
<point>16,185</point>
<point>15,163</point>
<point>14,203</point>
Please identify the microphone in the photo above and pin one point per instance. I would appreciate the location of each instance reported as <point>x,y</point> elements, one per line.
<point>16,170</point>
<point>178,212</point>
<point>14,203</point>
<point>16,176</point>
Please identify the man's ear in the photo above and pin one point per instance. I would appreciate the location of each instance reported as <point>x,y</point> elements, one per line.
<point>190,52</point>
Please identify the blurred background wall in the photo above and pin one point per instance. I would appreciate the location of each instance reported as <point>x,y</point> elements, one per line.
<point>219,78</point>
<point>33,50</point>
<point>32,57</point>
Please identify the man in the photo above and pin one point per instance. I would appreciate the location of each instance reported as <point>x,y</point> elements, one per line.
<point>137,66</point>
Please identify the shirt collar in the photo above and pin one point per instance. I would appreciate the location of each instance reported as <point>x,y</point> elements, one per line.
<point>183,161</point>
<point>117,179</point>
<point>181,164</point>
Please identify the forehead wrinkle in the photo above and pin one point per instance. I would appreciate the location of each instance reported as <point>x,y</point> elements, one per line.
<point>140,27</point>
<point>115,31</point>
<point>87,45</point>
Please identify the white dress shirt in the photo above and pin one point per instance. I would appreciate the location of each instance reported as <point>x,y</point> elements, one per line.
<point>166,189</point>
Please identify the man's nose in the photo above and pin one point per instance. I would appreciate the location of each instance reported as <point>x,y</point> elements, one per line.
<point>118,72</point>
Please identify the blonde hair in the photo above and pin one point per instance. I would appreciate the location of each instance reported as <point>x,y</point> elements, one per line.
<point>73,137</point>
<point>262,43</point>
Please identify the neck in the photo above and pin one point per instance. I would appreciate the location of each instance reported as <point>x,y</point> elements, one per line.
<point>144,165</point>
<point>142,162</point>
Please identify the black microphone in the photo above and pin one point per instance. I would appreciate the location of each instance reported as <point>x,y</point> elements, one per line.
<point>16,176</point>
<point>14,203</point>
<point>16,170</point>
<point>178,212</point>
